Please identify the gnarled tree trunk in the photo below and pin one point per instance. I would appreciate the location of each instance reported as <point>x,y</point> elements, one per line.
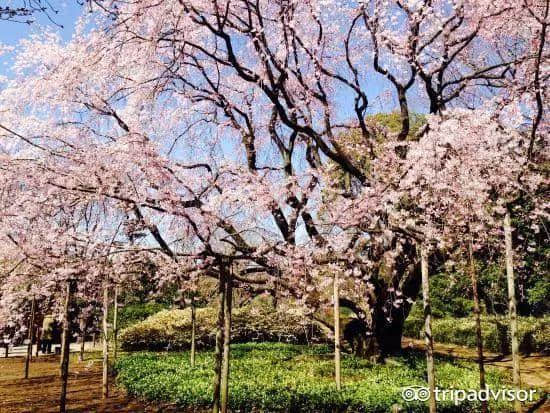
<point>379,338</point>
<point>380,335</point>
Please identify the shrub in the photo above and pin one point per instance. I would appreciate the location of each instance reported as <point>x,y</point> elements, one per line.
<point>136,312</point>
<point>534,333</point>
<point>171,329</point>
<point>276,377</point>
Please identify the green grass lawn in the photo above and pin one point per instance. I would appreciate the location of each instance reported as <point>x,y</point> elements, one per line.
<point>281,377</point>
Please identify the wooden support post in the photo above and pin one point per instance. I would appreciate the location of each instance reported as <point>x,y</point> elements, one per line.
<point>30,337</point>
<point>224,390</point>
<point>82,340</point>
<point>115,324</point>
<point>218,355</point>
<point>105,374</point>
<point>336,297</point>
<point>477,314</point>
<point>65,346</point>
<point>428,327</point>
<point>512,305</point>
<point>193,330</point>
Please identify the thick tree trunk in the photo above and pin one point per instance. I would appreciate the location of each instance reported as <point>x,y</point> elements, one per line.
<point>105,375</point>
<point>224,390</point>
<point>218,355</point>
<point>336,298</point>
<point>477,315</point>
<point>388,334</point>
<point>193,330</point>
<point>372,332</point>
<point>382,341</point>
<point>115,323</point>
<point>428,328</point>
<point>65,346</point>
<point>512,304</point>
<point>30,338</point>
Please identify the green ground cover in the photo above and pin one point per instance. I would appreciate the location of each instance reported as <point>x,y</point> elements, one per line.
<point>276,377</point>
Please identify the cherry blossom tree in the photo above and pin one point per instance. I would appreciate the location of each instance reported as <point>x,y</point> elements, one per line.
<point>300,75</point>
<point>215,125</point>
<point>456,183</point>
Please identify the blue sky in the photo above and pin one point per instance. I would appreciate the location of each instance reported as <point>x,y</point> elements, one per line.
<point>11,32</point>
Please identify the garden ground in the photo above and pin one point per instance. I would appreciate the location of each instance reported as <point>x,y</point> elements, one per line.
<point>535,368</point>
<point>40,392</point>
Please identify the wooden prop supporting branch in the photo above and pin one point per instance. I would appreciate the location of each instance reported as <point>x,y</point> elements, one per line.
<point>65,345</point>
<point>512,304</point>
<point>224,390</point>
<point>105,375</point>
<point>82,340</point>
<point>218,354</point>
<point>428,328</point>
<point>30,337</point>
<point>193,330</point>
<point>477,314</point>
<point>337,371</point>
<point>38,338</point>
<point>115,323</point>
<point>223,341</point>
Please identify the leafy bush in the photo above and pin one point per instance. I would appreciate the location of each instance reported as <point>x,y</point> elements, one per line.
<point>171,329</point>
<point>136,312</point>
<point>534,333</point>
<point>278,377</point>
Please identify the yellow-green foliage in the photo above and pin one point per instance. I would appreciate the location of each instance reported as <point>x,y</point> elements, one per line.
<point>381,125</point>
<point>534,333</point>
<point>171,329</point>
<point>392,122</point>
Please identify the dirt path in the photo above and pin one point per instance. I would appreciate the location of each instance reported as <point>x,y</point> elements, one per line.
<point>535,368</point>
<point>40,393</point>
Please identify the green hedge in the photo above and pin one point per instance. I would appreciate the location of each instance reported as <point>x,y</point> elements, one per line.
<point>276,377</point>
<point>171,329</point>
<point>534,333</point>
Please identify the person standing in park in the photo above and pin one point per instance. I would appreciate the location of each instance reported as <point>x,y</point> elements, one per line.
<point>47,334</point>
